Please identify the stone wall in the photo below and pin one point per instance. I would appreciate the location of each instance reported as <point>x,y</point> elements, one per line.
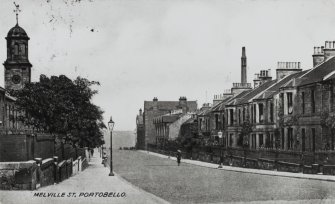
<point>47,172</point>
<point>31,175</point>
<point>62,171</point>
<point>23,147</point>
<point>14,148</point>
<point>289,167</point>
<point>266,164</point>
<point>18,175</point>
<point>84,164</point>
<point>329,169</point>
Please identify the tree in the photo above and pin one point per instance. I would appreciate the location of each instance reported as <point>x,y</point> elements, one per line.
<point>328,121</point>
<point>246,130</point>
<point>62,106</point>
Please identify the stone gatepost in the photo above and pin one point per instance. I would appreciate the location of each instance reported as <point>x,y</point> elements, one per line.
<point>79,164</point>
<point>87,154</point>
<point>56,179</point>
<point>38,172</point>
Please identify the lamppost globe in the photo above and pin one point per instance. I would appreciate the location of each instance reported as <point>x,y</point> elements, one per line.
<point>111,124</point>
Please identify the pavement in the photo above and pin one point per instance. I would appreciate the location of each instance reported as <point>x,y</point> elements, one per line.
<point>319,177</point>
<point>93,185</point>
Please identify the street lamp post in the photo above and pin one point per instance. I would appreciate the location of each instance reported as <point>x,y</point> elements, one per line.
<point>111,126</point>
<point>220,141</point>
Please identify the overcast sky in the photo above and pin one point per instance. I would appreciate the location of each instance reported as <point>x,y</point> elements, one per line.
<point>140,49</point>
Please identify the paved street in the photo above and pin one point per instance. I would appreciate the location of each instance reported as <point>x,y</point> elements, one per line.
<point>89,187</point>
<point>195,184</point>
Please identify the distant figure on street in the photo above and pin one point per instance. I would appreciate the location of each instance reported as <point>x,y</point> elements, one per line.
<point>104,159</point>
<point>92,152</point>
<point>178,156</point>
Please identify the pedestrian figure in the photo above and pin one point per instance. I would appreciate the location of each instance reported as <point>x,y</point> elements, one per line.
<point>178,156</point>
<point>104,159</point>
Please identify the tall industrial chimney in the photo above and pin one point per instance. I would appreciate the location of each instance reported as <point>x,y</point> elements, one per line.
<point>243,67</point>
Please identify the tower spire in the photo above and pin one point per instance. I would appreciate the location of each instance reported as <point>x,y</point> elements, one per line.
<point>17,10</point>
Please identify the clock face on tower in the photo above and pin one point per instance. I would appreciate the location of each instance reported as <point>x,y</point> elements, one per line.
<point>16,79</point>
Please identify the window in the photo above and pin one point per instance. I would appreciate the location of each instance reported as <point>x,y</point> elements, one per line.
<point>253,140</point>
<point>271,112</point>
<point>289,103</point>
<point>313,139</point>
<point>303,102</point>
<point>207,124</point>
<point>261,143</point>
<point>239,116</point>
<point>282,102</point>
<point>332,103</point>
<point>282,138</point>
<point>223,122</point>
<point>303,138</point>
<point>231,115</point>
<point>260,111</point>
<point>254,113</point>
<point>289,138</point>
<point>231,139</point>
<point>22,49</point>
<point>243,114</point>
<point>216,122</point>
<point>200,123</point>
<point>313,101</point>
<point>16,49</point>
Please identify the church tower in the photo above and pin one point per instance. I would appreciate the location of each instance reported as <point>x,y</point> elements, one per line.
<point>243,67</point>
<point>17,65</point>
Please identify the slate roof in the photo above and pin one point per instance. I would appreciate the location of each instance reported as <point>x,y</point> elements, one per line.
<point>190,121</point>
<point>318,73</point>
<point>220,106</point>
<point>167,118</point>
<point>284,82</point>
<point>255,92</point>
<point>169,105</point>
<point>236,99</point>
<point>204,112</point>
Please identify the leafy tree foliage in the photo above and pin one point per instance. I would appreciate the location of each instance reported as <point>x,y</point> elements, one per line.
<point>246,130</point>
<point>62,106</point>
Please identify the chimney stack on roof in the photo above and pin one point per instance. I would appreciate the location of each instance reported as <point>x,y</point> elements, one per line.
<point>183,103</point>
<point>318,56</point>
<point>262,77</point>
<point>182,98</point>
<point>329,50</point>
<point>287,68</point>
